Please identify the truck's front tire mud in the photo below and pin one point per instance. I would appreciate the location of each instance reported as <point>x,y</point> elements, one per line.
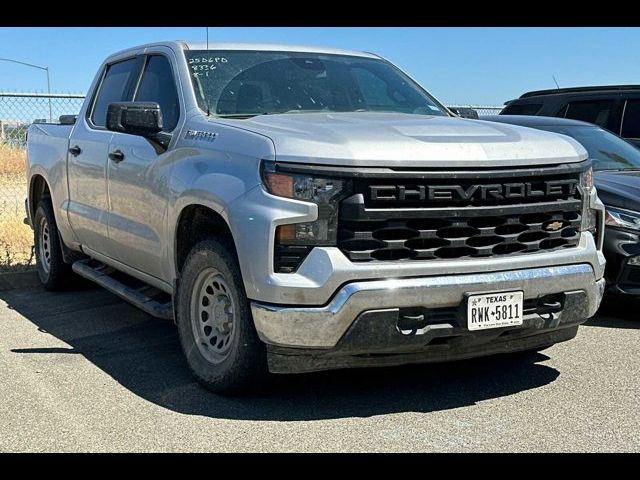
<point>216,329</point>
<point>54,273</point>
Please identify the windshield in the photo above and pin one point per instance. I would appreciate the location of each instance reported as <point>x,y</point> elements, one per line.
<point>607,152</point>
<point>245,83</point>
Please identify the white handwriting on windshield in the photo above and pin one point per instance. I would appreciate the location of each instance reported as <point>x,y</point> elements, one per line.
<point>201,66</point>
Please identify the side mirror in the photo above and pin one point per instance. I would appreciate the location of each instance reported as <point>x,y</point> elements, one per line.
<point>136,118</point>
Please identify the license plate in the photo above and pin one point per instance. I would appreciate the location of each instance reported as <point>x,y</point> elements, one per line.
<point>494,310</point>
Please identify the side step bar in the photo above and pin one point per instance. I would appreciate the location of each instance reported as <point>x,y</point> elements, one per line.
<point>132,290</point>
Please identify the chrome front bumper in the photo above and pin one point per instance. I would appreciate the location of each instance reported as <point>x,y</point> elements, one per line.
<point>322,327</point>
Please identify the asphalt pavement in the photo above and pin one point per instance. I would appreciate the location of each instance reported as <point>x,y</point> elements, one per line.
<point>84,371</point>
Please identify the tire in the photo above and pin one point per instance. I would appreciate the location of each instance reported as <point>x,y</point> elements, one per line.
<point>217,333</point>
<point>54,273</point>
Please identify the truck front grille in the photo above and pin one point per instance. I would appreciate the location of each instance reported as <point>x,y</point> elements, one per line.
<point>376,224</point>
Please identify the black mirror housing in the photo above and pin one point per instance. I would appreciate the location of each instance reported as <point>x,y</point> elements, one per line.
<point>135,118</point>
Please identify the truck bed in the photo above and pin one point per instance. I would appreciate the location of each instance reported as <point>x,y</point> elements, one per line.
<point>48,144</point>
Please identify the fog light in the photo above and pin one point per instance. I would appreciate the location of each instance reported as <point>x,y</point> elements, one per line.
<point>634,261</point>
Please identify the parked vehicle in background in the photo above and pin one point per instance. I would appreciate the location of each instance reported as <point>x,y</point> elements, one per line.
<point>613,107</point>
<point>616,165</point>
<point>297,209</point>
<point>464,112</point>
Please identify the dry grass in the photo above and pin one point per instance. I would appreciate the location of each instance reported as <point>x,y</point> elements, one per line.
<point>13,161</point>
<point>16,238</point>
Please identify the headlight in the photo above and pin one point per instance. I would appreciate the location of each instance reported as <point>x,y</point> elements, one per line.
<point>586,181</point>
<point>618,217</point>
<point>324,192</point>
<point>589,216</point>
<point>294,241</point>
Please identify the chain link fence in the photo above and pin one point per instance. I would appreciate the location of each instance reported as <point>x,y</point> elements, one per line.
<point>17,112</point>
<point>481,109</point>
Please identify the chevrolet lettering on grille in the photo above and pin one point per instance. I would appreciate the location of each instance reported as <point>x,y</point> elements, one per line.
<point>497,191</point>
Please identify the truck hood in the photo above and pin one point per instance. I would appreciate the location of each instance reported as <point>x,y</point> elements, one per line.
<point>405,140</point>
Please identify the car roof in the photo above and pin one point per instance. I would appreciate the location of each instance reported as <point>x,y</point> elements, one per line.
<point>587,89</point>
<point>267,47</point>
<point>275,47</point>
<point>536,121</point>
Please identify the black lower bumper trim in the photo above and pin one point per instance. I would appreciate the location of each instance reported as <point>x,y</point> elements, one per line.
<point>375,339</point>
<point>287,363</point>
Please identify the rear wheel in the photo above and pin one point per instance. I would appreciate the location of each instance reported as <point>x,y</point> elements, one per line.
<point>54,273</point>
<point>217,333</point>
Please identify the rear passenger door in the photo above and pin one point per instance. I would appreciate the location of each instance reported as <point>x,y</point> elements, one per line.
<point>87,166</point>
<point>138,182</point>
<point>602,111</point>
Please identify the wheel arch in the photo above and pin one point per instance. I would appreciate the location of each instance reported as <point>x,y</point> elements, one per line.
<point>196,222</point>
<point>38,189</point>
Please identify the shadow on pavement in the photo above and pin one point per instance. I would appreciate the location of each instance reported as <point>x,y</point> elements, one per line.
<point>616,312</point>
<point>143,354</point>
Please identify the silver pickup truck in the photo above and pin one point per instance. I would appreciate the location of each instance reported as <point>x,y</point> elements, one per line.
<point>296,209</point>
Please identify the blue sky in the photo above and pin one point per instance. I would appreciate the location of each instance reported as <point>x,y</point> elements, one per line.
<point>457,65</point>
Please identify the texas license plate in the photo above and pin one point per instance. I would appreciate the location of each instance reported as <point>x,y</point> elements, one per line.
<point>494,310</point>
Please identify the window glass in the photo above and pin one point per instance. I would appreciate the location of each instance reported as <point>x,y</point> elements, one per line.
<point>631,122</point>
<point>113,89</point>
<point>157,85</point>
<point>374,90</point>
<point>522,109</point>
<point>563,111</point>
<point>247,83</point>
<point>606,150</point>
<point>592,111</point>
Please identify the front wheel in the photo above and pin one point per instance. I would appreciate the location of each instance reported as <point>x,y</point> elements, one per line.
<point>216,329</point>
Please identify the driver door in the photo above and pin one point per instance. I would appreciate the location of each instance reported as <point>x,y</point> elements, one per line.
<point>137,178</point>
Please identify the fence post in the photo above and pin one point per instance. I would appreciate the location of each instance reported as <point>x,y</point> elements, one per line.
<point>1,131</point>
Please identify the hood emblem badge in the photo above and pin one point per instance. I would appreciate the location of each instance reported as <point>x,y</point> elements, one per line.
<point>553,227</point>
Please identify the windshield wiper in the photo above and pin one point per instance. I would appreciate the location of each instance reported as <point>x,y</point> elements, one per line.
<point>296,110</point>
<point>238,115</point>
<point>293,110</point>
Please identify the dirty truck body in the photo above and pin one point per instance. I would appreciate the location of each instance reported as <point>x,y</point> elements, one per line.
<point>297,209</point>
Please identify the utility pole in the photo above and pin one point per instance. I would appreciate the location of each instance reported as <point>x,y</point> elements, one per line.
<point>46,69</point>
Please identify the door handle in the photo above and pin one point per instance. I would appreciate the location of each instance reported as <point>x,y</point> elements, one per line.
<point>117,156</point>
<point>75,150</point>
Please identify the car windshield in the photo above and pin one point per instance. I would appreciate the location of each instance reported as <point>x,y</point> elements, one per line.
<point>238,83</point>
<point>607,151</point>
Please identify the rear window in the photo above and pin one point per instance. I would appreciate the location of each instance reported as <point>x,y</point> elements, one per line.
<point>522,109</point>
<point>606,150</point>
<point>631,120</point>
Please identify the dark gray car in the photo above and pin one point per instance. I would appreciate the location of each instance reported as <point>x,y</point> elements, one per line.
<point>616,166</point>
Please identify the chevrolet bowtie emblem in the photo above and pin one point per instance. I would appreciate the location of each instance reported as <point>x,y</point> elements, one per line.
<point>553,227</point>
